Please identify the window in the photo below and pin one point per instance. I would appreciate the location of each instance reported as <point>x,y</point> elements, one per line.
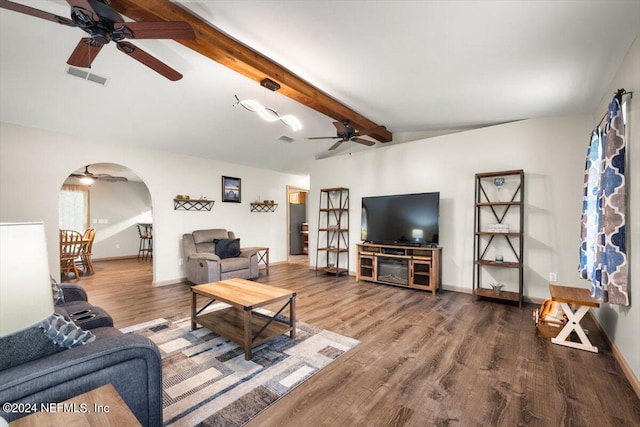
<point>73,208</point>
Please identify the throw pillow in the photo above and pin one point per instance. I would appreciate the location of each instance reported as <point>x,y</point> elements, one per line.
<point>58,295</point>
<point>65,332</point>
<point>227,248</point>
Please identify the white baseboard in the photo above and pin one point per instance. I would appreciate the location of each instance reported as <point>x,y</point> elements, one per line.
<point>169,282</point>
<point>115,258</point>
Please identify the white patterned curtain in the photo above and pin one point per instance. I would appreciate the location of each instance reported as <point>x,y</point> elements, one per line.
<point>603,253</point>
<point>73,208</point>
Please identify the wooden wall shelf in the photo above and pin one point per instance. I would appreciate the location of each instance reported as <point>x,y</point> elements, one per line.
<point>192,204</point>
<point>263,207</point>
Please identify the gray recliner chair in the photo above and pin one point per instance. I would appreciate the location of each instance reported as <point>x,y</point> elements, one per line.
<point>204,266</point>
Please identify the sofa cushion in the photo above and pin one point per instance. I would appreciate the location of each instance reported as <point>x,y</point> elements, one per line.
<point>25,346</point>
<point>208,236</point>
<point>233,264</point>
<point>227,248</point>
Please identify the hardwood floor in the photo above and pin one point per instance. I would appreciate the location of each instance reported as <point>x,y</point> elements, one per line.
<point>423,360</point>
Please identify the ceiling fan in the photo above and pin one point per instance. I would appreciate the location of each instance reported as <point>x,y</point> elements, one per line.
<point>103,24</point>
<point>347,133</point>
<point>97,176</point>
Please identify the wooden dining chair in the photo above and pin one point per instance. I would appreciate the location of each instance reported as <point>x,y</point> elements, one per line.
<point>70,249</point>
<point>87,250</point>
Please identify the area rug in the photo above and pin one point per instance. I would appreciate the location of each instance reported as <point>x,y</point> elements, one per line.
<point>207,382</point>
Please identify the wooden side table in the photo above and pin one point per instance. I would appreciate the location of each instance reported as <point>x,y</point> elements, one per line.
<point>102,406</point>
<point>582,298</point>
<point>263,257</point>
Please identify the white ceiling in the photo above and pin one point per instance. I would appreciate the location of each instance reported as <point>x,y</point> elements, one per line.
<point>414,66</point>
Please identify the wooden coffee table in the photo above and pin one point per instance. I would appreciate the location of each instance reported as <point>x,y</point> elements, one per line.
<point>241,323</point>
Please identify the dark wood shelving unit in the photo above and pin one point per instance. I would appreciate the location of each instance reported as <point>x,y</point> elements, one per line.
<point>333,231</point>
<point>512,241</point>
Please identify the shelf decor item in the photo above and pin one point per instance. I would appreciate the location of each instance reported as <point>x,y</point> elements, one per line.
<point>497,288</point>
<point>498,182</point>
<point>231,189</point>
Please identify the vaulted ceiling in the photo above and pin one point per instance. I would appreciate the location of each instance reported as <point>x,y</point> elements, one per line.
<point>416,67</point>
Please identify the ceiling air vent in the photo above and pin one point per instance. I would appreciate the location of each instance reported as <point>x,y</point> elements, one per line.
<point>286,138</point>
<point>85,75</point>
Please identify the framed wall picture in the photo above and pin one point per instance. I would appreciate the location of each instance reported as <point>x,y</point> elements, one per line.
<point>230,189</point>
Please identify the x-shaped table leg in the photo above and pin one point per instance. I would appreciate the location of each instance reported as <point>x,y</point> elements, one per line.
<point>573,324</point>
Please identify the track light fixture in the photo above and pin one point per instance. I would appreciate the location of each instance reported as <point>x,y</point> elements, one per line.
<point>268,114</point>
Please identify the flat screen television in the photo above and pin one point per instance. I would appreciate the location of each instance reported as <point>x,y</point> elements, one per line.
<point>404,219</point>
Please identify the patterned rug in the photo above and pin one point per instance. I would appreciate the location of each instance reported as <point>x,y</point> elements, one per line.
<point>207,382</point>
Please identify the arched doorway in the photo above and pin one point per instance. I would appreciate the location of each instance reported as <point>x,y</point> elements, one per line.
<point>114,201</point>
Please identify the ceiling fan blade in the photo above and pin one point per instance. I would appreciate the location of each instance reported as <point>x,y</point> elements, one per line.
<point>372,130</point>
<point>148,60</point>
<point>324,137</point>
<point>341,128</point>
<point>84,53</point>
<point>84,4</point>
<point>4,4</point>
<point>336,145</point>
<point>156,30</point>
<point>363,141</point>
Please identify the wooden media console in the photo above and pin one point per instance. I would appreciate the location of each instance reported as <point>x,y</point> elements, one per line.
<point>414,267</point>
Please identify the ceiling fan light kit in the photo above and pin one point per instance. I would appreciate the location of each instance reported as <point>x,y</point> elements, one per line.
<point>103,25</point>
<point>268,114</point>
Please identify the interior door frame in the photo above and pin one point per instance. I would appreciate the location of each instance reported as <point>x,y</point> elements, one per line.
<point>293,189</point>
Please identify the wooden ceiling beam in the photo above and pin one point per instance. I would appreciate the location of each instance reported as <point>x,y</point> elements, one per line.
<point>229,52</point>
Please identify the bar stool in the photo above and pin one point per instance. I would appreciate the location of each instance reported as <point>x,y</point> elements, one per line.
<point>145,250</point>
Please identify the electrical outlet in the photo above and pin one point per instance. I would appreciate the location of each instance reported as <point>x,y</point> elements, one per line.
<point>117,245</point>
<point>180,261</point>
<point>553,277</point>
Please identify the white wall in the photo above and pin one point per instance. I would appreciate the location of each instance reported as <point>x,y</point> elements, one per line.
<point>34,164</point>
<point>622,324</point>
<point>115,210</point>
<point>551,152</point>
